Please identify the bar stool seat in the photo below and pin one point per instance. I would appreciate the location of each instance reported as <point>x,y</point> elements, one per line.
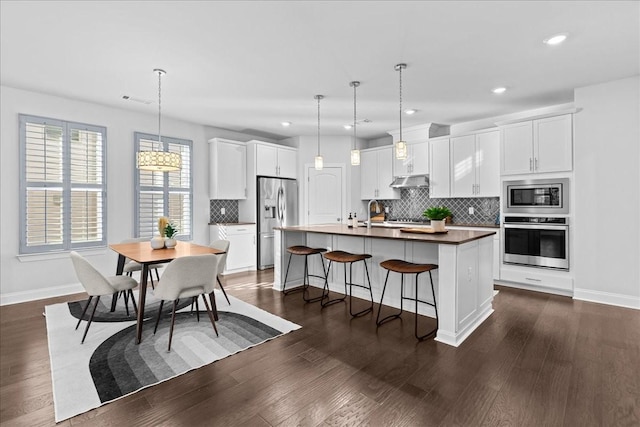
<point>405,267</point>
<point>347,258</point>
<point>304,251</point>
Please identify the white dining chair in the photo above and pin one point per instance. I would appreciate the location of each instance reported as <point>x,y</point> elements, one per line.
<point>222,245</point>
<point>97,285</point>
<point>188,277</point>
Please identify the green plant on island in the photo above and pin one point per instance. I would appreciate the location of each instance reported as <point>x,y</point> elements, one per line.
<point>437,213</point>
<point>170,230</point>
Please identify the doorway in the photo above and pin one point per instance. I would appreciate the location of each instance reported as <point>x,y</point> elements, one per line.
<point>324,194</point>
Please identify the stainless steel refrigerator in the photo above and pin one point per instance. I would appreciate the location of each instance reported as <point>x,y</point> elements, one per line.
<point>277,207</point>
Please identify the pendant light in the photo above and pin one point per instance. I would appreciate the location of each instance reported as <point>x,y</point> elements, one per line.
<point>401,146</point>
<point>318,162</point>
<point>159,161</point>
<point>355,153</point>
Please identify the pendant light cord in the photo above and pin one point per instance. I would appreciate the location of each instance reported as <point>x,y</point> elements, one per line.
<point>400,69</point>
<point>355,85</point>
<point>318,97</point>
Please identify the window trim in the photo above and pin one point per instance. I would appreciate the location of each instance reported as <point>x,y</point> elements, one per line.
<point>166,189</point>
<point>67,185</point>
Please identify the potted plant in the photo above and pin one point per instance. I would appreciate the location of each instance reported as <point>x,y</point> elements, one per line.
<point>170,232</point>
<point>437,215</point>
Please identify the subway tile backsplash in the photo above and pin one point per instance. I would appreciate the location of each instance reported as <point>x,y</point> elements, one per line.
<point>414,201</point>
<point>215,211</point>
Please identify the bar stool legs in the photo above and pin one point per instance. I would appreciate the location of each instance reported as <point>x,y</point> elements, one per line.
<point>403,268</point>
<point>344,258</point>
<point>306,251</point>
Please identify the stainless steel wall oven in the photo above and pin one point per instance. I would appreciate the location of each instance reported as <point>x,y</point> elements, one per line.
<point>537,241</point>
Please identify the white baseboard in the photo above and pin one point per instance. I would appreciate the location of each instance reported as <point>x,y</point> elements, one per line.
<point>607,298</point>
<point>36,294</point>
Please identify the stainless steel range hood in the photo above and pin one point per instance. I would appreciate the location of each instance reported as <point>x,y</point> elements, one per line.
<point>414,181</point>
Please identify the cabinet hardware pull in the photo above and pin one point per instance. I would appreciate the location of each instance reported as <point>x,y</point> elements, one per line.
<point>530,164</point>
<point>536,163</point>
<point>533,280</point>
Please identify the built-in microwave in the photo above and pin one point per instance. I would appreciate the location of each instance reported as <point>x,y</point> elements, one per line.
<point>536,196</point>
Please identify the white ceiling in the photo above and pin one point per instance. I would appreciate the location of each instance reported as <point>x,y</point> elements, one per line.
<point>248,66</point>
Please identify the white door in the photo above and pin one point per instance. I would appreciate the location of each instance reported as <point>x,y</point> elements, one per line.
<point>324,195</point>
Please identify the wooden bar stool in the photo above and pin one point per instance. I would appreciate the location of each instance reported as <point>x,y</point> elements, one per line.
<point>306,251</point>
<point>344,258</point>
<point>404,267</point>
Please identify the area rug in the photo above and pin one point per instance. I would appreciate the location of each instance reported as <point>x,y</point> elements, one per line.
<point>109,365</point>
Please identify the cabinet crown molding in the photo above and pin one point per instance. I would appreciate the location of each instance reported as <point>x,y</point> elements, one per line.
<point>420,132</point>
<point>540,116</point>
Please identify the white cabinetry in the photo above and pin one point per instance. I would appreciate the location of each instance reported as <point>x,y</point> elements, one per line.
<point>439,176</point>
<point>416,163</point>
<point>273,160</point>
<point>475,165</point>
<point>560,282</point>
<point>227,169</point>
<point>376,173</point>
<point>538,146</point>
<point>496,247</point>
<point>242,246</point>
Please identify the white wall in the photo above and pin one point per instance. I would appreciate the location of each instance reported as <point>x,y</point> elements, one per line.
<point>42,276</point>
<point>607,188</point>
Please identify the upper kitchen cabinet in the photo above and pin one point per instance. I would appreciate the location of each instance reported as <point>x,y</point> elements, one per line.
<point>417,139</point>
<point>439,176</point>
<point>227,169</point>
<point>475,165</point>
<point>538,146</point>
<point>416,163</point>
<point>275,160</point>
<point>376,173</point>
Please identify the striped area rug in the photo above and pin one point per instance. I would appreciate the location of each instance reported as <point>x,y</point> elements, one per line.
<point>109,365</point>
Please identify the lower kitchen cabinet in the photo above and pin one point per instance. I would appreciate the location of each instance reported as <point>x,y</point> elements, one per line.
<point>496,246</point>
<point>242,247</point>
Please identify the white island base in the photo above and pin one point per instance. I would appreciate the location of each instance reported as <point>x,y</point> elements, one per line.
<point>463,281</point>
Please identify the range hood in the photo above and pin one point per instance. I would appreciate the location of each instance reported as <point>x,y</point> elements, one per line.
<point>414,181</point>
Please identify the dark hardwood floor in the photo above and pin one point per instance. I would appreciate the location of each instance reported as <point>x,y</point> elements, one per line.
<point>539,360</point>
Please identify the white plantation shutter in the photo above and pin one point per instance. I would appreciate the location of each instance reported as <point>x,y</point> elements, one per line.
<point>62,179</point>
<point>164,193</point>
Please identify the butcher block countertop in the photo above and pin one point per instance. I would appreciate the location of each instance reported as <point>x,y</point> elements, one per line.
<point>451,237</point>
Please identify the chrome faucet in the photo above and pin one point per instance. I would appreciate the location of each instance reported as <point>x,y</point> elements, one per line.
<point>369,211</point>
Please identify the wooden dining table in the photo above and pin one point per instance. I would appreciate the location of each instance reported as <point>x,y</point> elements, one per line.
<point>142,253</point>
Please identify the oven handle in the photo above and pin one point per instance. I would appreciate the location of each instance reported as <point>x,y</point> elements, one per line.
<point>538,226</point>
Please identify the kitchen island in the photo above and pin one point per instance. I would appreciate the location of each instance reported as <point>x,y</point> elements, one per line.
<point>463,282</point>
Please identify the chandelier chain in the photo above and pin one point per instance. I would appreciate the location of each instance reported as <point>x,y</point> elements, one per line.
<point>159,107</point>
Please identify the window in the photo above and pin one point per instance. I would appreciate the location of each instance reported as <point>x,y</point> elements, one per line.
<point>164,193</point>
<point>62,185</point>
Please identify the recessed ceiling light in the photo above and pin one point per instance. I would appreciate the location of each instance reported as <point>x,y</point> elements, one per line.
<point>410,112</point>
<point>499,90</point>
<point>556,39</point>
<point>134,99</point>
<point>348,126</point>
<point>286,124</point>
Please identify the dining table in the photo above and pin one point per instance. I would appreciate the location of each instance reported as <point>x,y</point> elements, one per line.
<point>142,253</point>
